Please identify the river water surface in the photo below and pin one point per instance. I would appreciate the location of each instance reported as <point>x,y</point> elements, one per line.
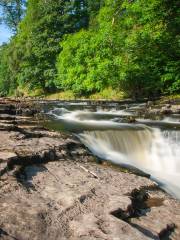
<point>148,145</point>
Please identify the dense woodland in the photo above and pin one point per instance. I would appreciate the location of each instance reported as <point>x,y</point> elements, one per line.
<point>87,46</point>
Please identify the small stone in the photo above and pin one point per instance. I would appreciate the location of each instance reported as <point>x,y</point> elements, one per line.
<point>150,103</point>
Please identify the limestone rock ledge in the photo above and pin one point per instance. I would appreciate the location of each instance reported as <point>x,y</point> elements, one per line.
<point>45,192</point>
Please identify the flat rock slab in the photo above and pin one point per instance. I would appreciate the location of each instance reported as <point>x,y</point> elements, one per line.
<point>51,188</point>
<point>61,201</point>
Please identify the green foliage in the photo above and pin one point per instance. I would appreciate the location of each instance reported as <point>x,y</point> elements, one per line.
<point>35,47</point>
<point>87,46</point>
<point>135,48</point>
<point>4,83</point>
<point>12,12</point>
<point>84,63</point>
<point>7,82</point>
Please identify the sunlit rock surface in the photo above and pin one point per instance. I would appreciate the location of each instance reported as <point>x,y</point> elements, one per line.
<point>45,193</point>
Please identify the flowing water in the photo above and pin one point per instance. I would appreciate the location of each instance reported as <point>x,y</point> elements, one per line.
<point>147,145</point>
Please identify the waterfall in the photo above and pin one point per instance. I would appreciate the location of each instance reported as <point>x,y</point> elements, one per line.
<point>149,150</point>
<point>117,146</point>
<point>147,145</point>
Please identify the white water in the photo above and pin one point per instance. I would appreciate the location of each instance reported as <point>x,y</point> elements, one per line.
<point>151,150</point>
<point>146,150</point>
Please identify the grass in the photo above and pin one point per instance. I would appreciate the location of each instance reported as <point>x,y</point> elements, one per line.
<point>108,94</point>
<point>169,98</point>
<point>66,95</point>
<point>25,92</point>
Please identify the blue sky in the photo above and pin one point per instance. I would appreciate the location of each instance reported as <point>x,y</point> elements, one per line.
<point>5,34</point>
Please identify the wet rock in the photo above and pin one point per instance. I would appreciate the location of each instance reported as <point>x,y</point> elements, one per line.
<point>150,103</point>
<point>166,110</point>
<point>168,106</point>
<point>132,119</point>
<point>29,112</point>
<point>167,231</point>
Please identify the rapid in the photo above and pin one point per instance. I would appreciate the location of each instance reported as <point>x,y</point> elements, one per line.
<point>146,145</point>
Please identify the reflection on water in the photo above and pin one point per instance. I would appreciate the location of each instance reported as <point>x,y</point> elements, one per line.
<point>151,146</point>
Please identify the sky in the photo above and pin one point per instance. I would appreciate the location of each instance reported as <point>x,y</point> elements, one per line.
<point>5,33</point>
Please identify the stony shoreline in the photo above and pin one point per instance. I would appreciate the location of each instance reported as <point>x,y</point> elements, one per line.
<point>51,188</point>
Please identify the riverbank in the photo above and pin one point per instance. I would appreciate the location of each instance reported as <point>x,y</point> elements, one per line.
<point>106,94</point>
<point>52,187</point>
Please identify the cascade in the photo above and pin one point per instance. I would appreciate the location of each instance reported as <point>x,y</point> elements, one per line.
<point>149,150</point>
<point>150,146</point>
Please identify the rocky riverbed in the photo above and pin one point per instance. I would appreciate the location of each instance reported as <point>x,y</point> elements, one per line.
<point>52,188</point>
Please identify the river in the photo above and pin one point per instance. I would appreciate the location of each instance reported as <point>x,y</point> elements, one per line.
<point>151,146</point>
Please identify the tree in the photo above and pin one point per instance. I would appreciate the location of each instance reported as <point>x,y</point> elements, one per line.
<point>131,45</point>
<point>86,46</point>
<point>13,11</point>
<point>35,47</point>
